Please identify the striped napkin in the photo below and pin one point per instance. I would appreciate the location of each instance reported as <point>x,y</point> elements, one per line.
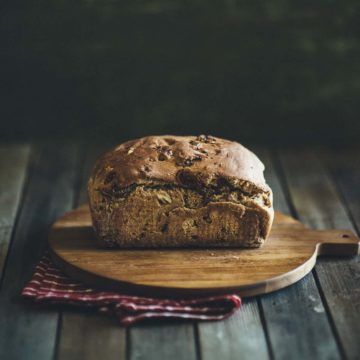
<point>50,285</point>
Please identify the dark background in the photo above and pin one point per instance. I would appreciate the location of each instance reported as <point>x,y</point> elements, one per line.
<point>269,72</point>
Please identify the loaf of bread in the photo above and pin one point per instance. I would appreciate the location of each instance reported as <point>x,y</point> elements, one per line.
<point>180,191</point>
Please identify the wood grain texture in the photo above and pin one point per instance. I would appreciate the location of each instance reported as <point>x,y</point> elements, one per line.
<point>288,255</point>
<point>239,337</point>
<point>13,165</point>
<point>90,336</point>
<point>344,166</point>
<point>89,155</point>
<point>318,204</point>
<point>295,318</point>
<point>162,341</point>
<point>27,332</point>
<point>85,335</point>
<point>308,334</point>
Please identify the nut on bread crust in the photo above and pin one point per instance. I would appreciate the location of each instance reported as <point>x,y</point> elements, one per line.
<point>172,191</point>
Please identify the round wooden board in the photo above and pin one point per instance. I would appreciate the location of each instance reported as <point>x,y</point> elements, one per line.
<point>288,255</point>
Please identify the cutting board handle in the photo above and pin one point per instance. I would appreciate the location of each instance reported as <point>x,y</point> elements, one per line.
<point>336,242</point>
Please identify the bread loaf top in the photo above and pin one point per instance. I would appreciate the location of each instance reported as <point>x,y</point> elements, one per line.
<point>190,161</point>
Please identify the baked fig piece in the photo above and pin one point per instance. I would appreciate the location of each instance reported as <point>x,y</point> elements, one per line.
<point>180,191</point>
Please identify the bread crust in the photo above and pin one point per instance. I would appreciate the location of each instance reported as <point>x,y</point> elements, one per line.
<point>172,191</point>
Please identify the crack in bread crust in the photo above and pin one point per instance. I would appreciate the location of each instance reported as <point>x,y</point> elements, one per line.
<point>217,192</point>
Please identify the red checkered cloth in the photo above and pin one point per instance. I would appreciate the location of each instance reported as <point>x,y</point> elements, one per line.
<point>49,284</point>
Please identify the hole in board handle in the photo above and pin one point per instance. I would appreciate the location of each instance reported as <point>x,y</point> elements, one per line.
<point>345,236</point>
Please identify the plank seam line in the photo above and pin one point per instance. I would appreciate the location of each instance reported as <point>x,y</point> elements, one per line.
<point>197,341</point>
<point>343,201</point>
<point>265,328</point>
<point>283,182</point>
<point>127,343</point>
<point>58,336</point>
<point>79,179</point>
<point>24,190</point>
<point>330,318</point>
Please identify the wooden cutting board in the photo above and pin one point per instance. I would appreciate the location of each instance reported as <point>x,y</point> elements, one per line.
<point>287,256</point>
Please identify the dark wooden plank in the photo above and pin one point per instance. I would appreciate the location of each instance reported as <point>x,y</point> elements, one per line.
<point>344,166</point>
<point>28,332</point>
<point>90,335</point>
<point>162,341</point>
<point>297,325</point>
<point>242,334</point>
<point>273,178</point>
<point>13,164</point>
<point>90,154</point>
<point>239,337</point>
<point>318,204</point>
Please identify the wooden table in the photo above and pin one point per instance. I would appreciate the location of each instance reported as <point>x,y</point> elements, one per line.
<point>317,318</point>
